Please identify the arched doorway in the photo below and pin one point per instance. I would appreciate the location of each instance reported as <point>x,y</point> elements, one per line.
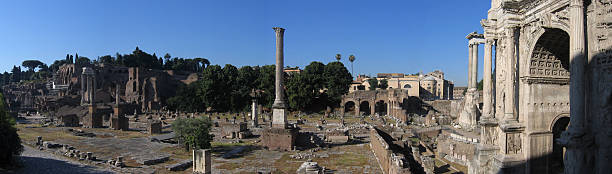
<point>364,107</point>
<point>349,107</point>
<point>550,62</point>
<point>381,108</point>
<point>556,159</point>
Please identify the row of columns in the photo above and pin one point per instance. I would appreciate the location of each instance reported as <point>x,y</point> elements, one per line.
<point>88,86</point>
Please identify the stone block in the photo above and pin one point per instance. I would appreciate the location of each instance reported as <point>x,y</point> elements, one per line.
<point>337,139</point>
<point>120,123</point>
<point>279,118</point>
<point>279,139</point>
<point>180,166</point>
<point>71,120</point>
<point>202,162</point>
<point>155,128</point>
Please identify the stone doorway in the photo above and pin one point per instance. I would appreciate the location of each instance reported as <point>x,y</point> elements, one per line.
<point>364,107</point>
<point>381,108</point>
<point>556,159</point>
<point>350,107</point>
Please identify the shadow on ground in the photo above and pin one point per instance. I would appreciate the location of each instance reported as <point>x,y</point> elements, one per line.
<point>33,165</point>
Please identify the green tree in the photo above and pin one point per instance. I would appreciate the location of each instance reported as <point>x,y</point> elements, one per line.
<point>108,59</point>
<point>31,64</point>
<point>338,57</point>
<point>230,89</point>
<point>186,100</point>
<point>265,82</point>
<point>338,81</point>
<point>16,74</point>
<point>373,83</point>
<point>82,61</point>
<point>383,84</point>
<point>300,91</point>
<point>56,64</point>
<point>212,88</point>
<point>11,143</point>
<point>194,133</point>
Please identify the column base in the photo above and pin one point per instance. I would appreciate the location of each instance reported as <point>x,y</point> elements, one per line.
<point>279,104</point>
<point>279,118</point>
<point>280,139</point>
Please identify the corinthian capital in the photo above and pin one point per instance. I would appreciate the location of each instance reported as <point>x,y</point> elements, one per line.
<point>279,30</point>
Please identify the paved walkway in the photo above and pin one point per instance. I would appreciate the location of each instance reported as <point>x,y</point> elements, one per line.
<point>36,161</point>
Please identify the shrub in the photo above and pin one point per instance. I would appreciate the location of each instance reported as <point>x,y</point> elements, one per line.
<point>10,143</point>
<point>193,132</point>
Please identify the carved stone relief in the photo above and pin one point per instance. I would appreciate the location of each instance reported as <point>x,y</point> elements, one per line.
<point>513,143</point>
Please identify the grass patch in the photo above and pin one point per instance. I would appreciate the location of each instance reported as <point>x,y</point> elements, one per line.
<point>30,134</point>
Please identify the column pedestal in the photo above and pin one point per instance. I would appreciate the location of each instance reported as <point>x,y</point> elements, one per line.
<point>279,118</point>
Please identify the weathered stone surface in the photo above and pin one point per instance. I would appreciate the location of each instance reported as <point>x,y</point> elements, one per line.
<point>151,159</point>
<point>279,139</point>
<point>202,162</point>
<point>180,165</point>
<point>155,127</point>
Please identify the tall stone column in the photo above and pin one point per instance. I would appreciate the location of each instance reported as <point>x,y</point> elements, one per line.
<point>83,87</point>
<point>474,70</point>
<point>279,119</point>
<point>254,113</point>
<point>510,103</point>
<point>487,108</point>
<point>575,139</point>
<point>470,64</point>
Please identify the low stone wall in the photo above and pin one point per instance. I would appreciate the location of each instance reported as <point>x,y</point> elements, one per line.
<point>447,107</point>
<point>390,162</point>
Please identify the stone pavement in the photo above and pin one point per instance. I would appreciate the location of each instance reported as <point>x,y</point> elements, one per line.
<point>36,161</point>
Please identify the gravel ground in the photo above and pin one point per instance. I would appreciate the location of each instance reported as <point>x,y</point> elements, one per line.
<point>36,161</point>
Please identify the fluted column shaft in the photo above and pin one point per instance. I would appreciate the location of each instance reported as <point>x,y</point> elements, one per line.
<point>279,101</point>
<point>510,76</point>
<point>487,80</point>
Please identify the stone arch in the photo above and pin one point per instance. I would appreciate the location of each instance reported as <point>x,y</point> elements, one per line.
<point>364,107</point>
<point>407,86</point>
<point>349,106</point>
<point>381,108</point>
<point>549,56</point>
<point>558,126</point>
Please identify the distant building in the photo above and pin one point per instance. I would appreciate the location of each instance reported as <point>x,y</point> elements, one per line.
<point>458,92</point>
<point>436,87</point>
<point>291,71</point>
<point>431,86</point>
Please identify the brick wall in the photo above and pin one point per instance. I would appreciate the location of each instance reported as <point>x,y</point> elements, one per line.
<point>390,162</point>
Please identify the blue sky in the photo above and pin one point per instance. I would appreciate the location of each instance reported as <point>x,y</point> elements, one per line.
<point>385,36</point>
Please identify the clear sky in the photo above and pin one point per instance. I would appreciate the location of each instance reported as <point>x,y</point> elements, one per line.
<point>403,36</point>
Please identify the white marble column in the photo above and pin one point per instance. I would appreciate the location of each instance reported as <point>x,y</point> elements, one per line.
<point>254,113</point>
<point>470,52</point>
<point>509,115</point>
<point>83,87</point>
<point>474,70</point>
<point>279,119</point>
<point>487,108</point>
